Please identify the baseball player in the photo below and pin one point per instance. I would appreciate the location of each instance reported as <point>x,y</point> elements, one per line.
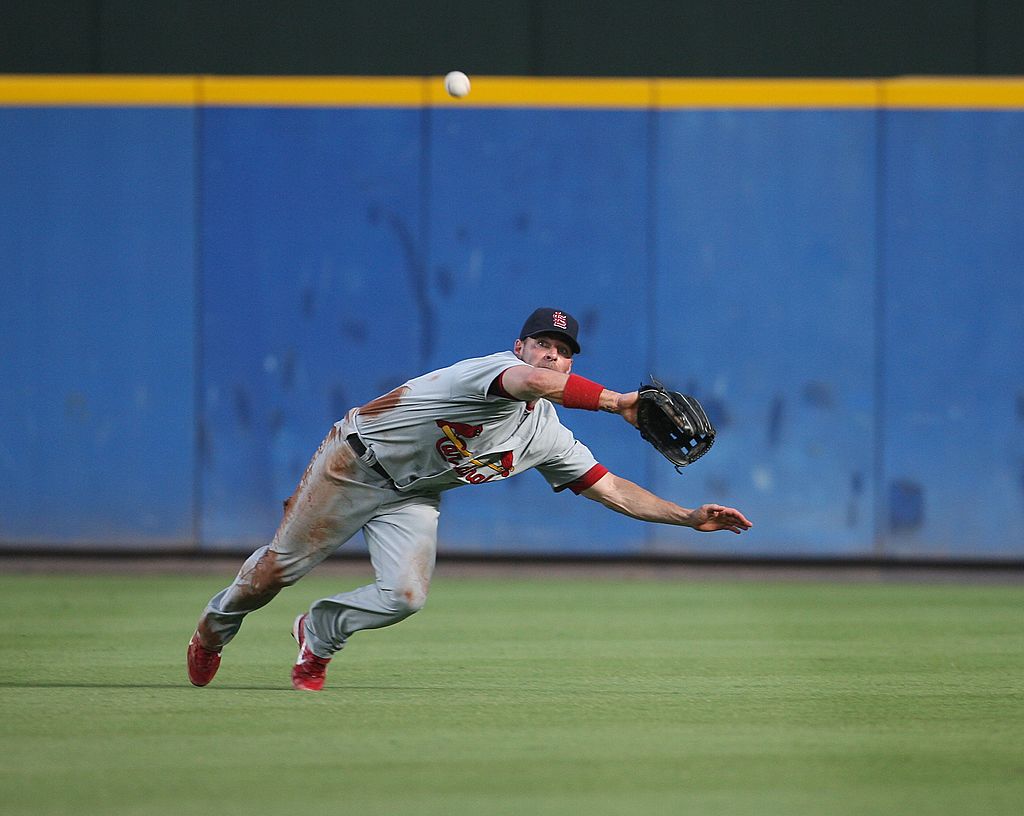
<point>383,468</point>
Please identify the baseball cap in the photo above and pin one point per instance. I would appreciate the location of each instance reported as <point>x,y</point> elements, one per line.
<point>552,321</point>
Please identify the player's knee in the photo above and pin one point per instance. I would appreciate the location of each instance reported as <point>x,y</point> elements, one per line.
<point>404,599</point>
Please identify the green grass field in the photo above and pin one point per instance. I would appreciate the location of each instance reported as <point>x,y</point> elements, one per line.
<point>520,696</point>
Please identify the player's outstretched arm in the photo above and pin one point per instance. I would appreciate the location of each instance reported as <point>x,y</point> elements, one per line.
<point>623,496</point>
<point>528,383</point>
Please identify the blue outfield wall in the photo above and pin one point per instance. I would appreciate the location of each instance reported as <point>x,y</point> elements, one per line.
<point>953,393</point>
<point>97,326</point>
<point>191,296</point>
<point>765,308</point>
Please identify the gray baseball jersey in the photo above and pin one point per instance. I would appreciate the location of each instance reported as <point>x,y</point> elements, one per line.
<point>458,426</point>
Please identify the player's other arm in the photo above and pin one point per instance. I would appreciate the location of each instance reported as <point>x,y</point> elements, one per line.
<point>623,496</point>
<point>528,383</point>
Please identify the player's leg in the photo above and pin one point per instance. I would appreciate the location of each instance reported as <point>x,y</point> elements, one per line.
<point>403,547</point>
<point>335,498</point>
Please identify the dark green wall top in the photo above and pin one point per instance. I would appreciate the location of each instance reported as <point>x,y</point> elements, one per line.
<point>516,37</point>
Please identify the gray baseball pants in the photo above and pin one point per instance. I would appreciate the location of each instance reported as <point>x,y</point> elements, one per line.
<point>340,493</point>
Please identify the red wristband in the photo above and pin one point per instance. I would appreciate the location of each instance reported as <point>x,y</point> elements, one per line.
<point>579,392</point>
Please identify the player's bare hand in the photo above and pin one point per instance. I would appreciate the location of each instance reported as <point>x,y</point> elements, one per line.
<point>626,406</point>
<point>712,517</point>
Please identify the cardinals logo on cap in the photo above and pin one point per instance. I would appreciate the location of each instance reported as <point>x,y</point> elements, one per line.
<point>558,320</point>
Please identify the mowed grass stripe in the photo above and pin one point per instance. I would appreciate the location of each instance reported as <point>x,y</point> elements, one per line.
<point>521,696</point>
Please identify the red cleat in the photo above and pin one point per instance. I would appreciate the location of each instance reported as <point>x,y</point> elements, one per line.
<point>309,671</point>
<point>202,662</point>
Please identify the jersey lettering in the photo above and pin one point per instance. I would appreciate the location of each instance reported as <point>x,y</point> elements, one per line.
<point>452,448</point>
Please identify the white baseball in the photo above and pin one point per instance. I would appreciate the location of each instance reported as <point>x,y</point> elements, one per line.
<point>456,83</point>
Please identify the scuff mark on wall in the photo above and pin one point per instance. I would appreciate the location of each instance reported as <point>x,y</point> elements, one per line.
<point>819,395</point>
<point>906,506</point>
<point>242,405</point>
<point>420,285</point>
<point>776,415</point>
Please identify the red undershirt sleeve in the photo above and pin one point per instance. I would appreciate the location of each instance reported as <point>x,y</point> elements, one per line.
<point>588,479</point>
<point>497,389</point>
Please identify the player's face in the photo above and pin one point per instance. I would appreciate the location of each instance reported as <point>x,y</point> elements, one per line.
<point>545,351</point>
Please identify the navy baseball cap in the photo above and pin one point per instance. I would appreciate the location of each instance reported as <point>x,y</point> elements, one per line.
<point>552,321</point>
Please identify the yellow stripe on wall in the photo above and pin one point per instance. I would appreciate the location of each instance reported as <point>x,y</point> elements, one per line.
<point>954,92</point>
<point>768,93</point>
<point>331,92</point>
<point>59,90</point>
<point>512,92</point>
<point>549,92</point>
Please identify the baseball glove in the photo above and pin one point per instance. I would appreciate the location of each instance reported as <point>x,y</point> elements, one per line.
<point>674,424</point>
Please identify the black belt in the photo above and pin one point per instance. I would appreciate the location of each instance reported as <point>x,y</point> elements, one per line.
<point>357,445</point>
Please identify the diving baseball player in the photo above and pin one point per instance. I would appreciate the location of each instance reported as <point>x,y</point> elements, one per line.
<point>383,468</point>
